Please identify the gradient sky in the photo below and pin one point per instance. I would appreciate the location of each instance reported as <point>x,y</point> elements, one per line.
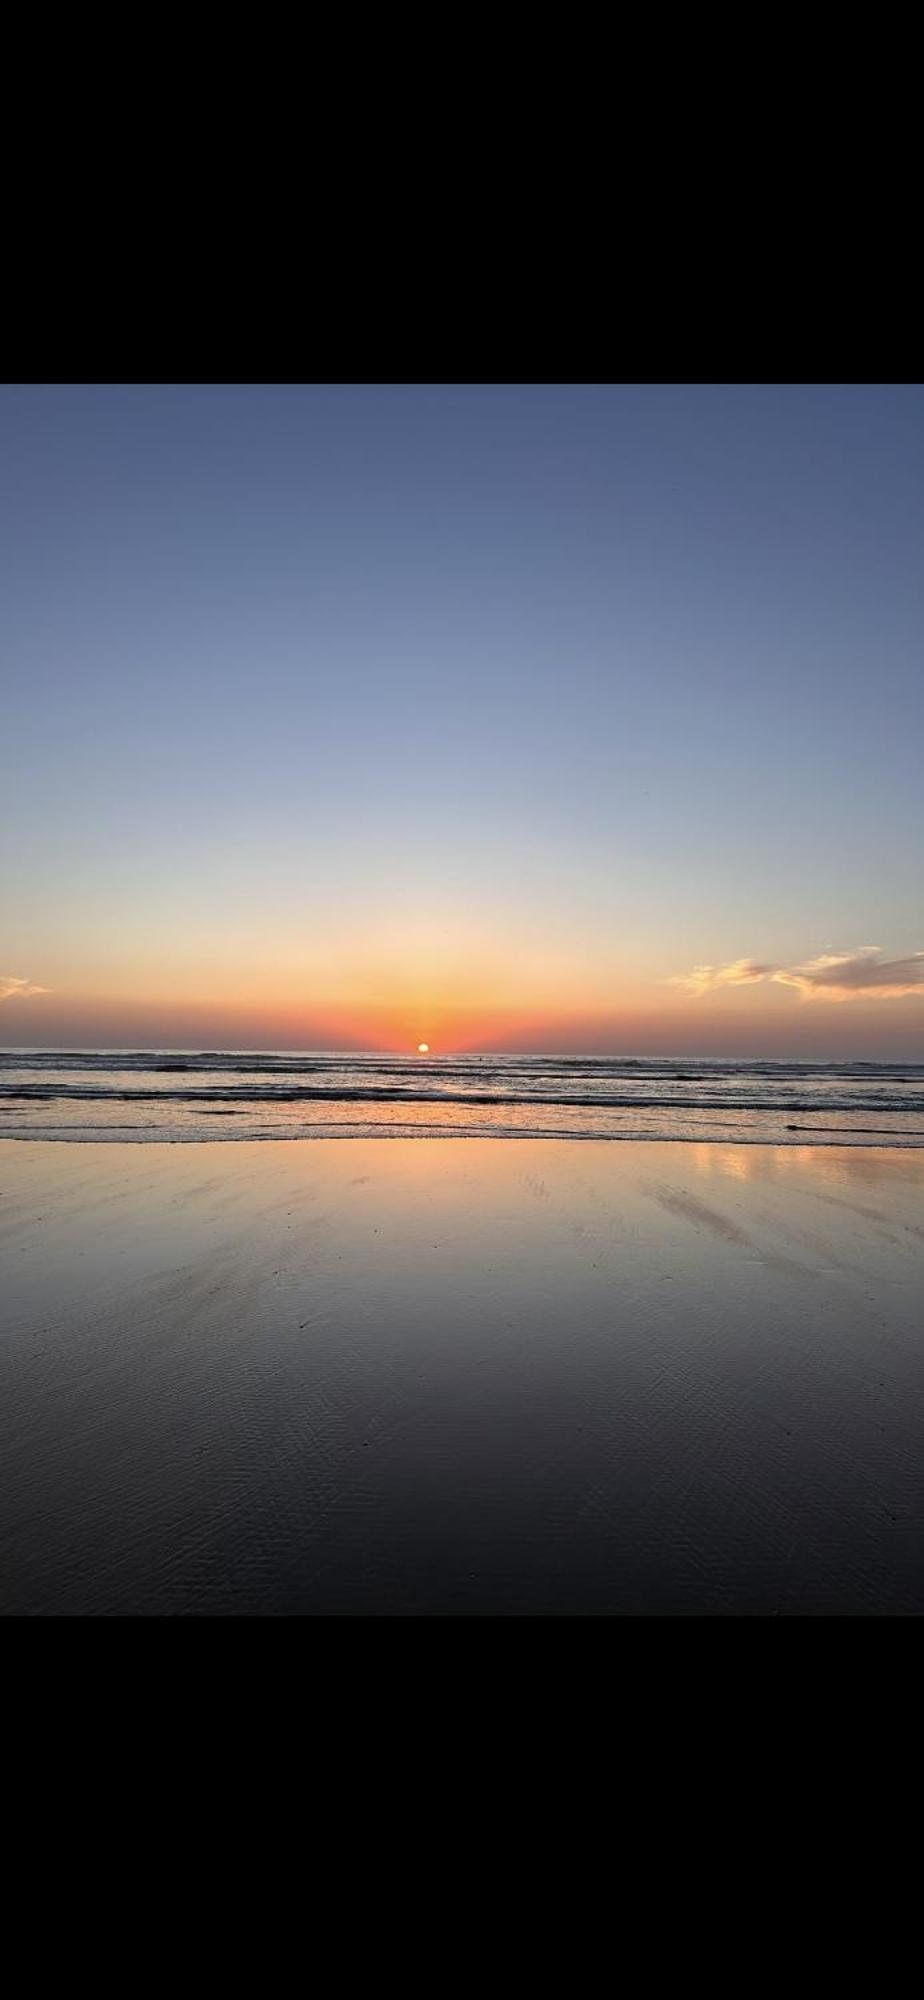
<point>483,715</point>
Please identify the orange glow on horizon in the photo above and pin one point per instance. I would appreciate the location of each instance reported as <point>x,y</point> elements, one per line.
<point>637,1022</point>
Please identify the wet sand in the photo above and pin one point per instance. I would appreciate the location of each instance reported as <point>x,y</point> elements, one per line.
<point>461,1376</point>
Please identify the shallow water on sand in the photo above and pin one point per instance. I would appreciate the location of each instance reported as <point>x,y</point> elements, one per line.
<point>397,1377</point>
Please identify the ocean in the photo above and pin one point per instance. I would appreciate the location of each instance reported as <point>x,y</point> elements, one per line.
<point>187,1095</point>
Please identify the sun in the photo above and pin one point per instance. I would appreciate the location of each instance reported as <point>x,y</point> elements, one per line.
<point>423,1048</point>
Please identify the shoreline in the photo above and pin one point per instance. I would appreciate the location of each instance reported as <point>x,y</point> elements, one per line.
<point>906,1143</point>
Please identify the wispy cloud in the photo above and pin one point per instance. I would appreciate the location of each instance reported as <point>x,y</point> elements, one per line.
<point>705,978</point>
<point>862,973</point>
<point>19,989</point>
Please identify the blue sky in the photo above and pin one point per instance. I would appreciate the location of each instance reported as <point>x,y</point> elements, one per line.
<point>345,699</point>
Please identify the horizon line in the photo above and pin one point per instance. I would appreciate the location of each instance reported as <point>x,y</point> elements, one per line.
<point>320,1049</point>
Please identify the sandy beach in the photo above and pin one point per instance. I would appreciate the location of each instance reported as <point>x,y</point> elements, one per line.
<point>460,1376</point>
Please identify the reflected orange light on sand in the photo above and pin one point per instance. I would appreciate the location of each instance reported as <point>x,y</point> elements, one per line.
<point>734,1161</point>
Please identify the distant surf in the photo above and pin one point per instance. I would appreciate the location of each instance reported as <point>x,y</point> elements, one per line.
<point>167,1094</point>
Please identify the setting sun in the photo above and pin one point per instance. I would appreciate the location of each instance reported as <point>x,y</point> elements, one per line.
<point>423,1048</point>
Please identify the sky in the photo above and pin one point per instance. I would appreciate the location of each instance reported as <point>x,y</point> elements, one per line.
<point>552,718</point>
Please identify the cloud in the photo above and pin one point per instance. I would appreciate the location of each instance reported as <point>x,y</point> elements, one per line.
<point>862,973</point>
<point>705,978</point>
<point>19,989</point>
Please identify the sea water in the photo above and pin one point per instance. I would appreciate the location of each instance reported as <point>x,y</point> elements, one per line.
<point>182,1094</point>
